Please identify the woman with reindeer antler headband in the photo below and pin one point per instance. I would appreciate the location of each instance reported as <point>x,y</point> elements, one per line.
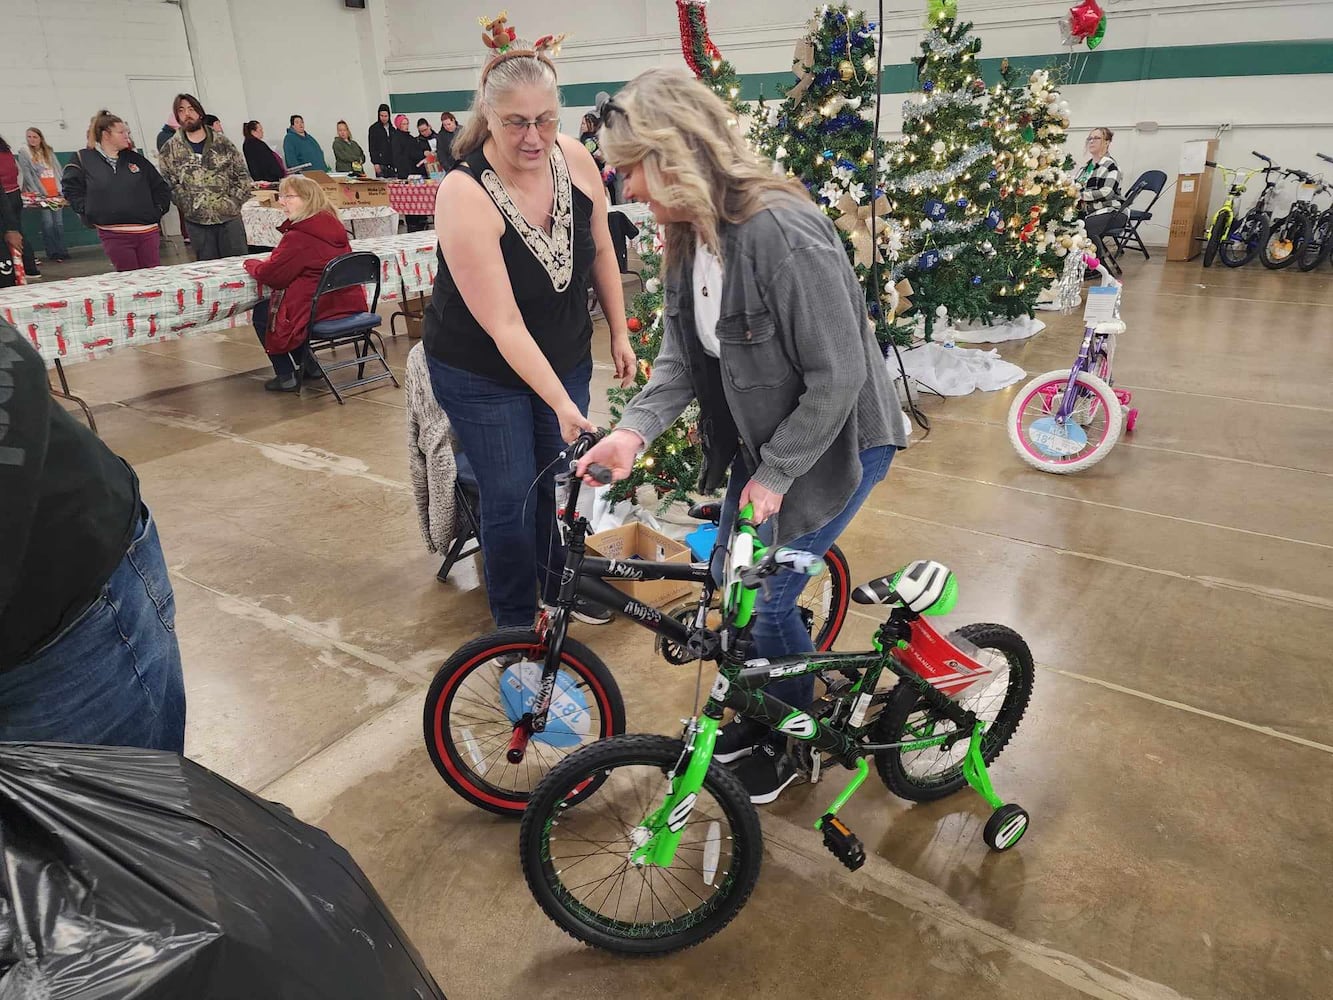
<point>521,220</point>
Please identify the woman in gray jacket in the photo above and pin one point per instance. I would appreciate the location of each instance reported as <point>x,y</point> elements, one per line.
<point>766,327</point>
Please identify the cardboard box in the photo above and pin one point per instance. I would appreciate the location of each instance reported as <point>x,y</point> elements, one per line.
<point>345,193</point>
<point>1189,213</point>
<point>635,539</point>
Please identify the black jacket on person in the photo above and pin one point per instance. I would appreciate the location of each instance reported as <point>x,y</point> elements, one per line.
<point>378,145</point>
<point>405,153</point>
<point>132,194</point>
<point>444,149</point>
<point>261,161</point>
<point>164,136</point>
<point>69,505</point>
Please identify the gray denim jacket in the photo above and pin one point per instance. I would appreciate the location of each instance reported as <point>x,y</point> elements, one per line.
<point>804,376</point>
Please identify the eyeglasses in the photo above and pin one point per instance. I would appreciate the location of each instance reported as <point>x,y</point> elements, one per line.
<point>544,125</point>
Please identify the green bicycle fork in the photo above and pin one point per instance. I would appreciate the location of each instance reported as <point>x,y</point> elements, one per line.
<point>666,823</point>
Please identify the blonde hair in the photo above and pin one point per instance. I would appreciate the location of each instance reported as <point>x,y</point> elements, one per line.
<point>308,191</point>
<point>45,154</point>
<point>686,141</point>
<point>502,75</point>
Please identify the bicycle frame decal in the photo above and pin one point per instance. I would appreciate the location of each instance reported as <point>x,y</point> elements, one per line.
<point>800,725</point>
<point>939,662</point>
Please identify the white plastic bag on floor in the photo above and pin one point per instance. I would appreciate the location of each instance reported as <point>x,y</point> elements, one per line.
<point>979,333</point>
<point>958,371</point>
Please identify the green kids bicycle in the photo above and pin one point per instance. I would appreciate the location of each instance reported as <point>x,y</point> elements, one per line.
<point>1239,238</point>
<point>645,845</point>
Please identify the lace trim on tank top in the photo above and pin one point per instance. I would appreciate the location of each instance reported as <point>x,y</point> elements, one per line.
<point>555,252</point>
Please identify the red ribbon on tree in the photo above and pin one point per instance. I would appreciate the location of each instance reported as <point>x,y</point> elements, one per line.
<point>695,45</point>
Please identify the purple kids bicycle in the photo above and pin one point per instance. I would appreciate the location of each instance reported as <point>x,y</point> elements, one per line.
<point>1067,421</point>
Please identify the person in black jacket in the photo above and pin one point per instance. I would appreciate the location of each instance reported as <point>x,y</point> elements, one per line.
<point>379,141</point>
<point>409,158</point>
<point>11,230</point>
<point>115,190</point>
<point>260,159</point>
<point>88,650</point>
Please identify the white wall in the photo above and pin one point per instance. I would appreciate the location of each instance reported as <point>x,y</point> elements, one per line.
<point>434,46</point>
<point>66,59</point>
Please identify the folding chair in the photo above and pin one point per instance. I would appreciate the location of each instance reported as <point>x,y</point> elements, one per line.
<point>1128,234</point>
<point>356,268</point>
<point>467,517</point>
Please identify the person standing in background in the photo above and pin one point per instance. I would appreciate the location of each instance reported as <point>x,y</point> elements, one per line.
<point>167,131</point>
<point>38,171</point>
<point>444,142</point>
<point>213,122</point>
<point>426,135</point>
<point>88,649</point>
<point>10,229</point>
<point>10,190</point>
<point>118,192</point>
<point>408,159</point>
<point>379,140</point>
<point>209,182</point>
<point>348,156</point>
<point>262,162</point>
<point>302,150</point>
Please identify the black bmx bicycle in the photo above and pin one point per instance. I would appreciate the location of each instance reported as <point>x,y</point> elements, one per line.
<point>507,707</point>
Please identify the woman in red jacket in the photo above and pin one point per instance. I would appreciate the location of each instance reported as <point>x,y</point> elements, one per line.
<point>312,236</point>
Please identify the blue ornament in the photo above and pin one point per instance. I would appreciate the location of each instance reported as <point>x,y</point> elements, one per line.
<point>992,218</point>
<point>935,210</point>
<point>976,279</point>
<point>927,86</point>
<point>846,164</point>
<point>962,203</point>
<point>991,176</point>
<point>929,260</point>
<point>827,154</point>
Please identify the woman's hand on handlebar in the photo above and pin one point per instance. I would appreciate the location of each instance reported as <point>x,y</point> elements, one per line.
<point>573,423</point>
<point>766,502</point>
<point>616,451</point>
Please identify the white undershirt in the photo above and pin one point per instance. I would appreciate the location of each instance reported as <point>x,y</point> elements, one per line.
<point>707,307</point>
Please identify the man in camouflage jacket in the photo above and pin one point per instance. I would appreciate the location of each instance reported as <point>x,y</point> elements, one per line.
<point>209,181</point>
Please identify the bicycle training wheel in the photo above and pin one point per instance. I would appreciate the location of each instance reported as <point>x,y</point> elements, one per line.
<point>479,698</point>
<point>1245,242</point>
<point>1083,440</point>
<point>934,772</point>
<point>575,846</point>
<point>1285,242</point>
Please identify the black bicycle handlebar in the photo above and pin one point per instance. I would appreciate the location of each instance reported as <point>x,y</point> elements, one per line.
<point>1261,156</point>
<point>1325,158</point>
<point>1209,163</point>
<point>599,472</point>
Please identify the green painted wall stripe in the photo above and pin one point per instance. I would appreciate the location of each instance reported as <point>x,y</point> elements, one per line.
<point>1168,62</point>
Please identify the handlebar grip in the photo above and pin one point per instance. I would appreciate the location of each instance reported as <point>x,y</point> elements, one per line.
<point>599,472</point>
<point>1322,156</point>
<point>1260,155</point>
<point>1209,163</point>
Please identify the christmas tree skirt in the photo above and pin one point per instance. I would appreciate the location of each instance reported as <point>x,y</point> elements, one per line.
<point>999,332</point>
<point>958,371</point>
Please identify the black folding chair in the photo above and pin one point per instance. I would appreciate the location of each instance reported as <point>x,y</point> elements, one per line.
<point>1128,234</point>
<point>351,269</point>
<point>467,517</point>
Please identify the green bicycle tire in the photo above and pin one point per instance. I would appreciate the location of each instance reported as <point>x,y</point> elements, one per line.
<point>905,701</point>
<point>565,781</point>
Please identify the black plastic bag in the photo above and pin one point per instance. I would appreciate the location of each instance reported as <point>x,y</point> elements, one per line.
<point>138,874</point>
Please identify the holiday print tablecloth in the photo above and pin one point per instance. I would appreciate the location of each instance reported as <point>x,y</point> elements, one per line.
<point>365,221</point>
<point>84,318</point>
<point>413,199</point>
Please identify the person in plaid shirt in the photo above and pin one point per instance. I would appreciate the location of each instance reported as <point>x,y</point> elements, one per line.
<point>1099,200</point>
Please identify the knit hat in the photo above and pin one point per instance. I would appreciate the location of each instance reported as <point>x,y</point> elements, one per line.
<point>400,121</point>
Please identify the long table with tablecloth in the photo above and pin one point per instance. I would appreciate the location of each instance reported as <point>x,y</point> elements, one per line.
<point>364,221</point>
<point>83,318</point>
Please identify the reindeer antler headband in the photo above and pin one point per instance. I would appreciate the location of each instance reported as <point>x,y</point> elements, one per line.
<point>504,42</point>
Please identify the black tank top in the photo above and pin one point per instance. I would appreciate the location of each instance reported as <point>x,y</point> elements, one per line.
<point>549,276</point>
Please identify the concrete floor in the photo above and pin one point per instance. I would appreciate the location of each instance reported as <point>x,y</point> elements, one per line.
<point>1178,599</point>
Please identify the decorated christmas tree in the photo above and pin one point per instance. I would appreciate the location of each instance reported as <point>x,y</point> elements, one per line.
<point>703,57</point>
<point>671,464</point>
<point>1029,122</point>
<point>823,134</point>
<point>943,185</point>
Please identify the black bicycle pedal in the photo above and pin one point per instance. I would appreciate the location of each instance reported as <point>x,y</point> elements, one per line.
<point>842,843</point>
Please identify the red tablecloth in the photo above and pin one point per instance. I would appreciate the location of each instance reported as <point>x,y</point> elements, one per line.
<point>413,199</point>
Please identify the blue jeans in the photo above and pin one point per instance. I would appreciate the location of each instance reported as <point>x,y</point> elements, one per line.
<point>511,437</point>
<point>113,677</point>
<point>778,629</point>
<point>53,233</point>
